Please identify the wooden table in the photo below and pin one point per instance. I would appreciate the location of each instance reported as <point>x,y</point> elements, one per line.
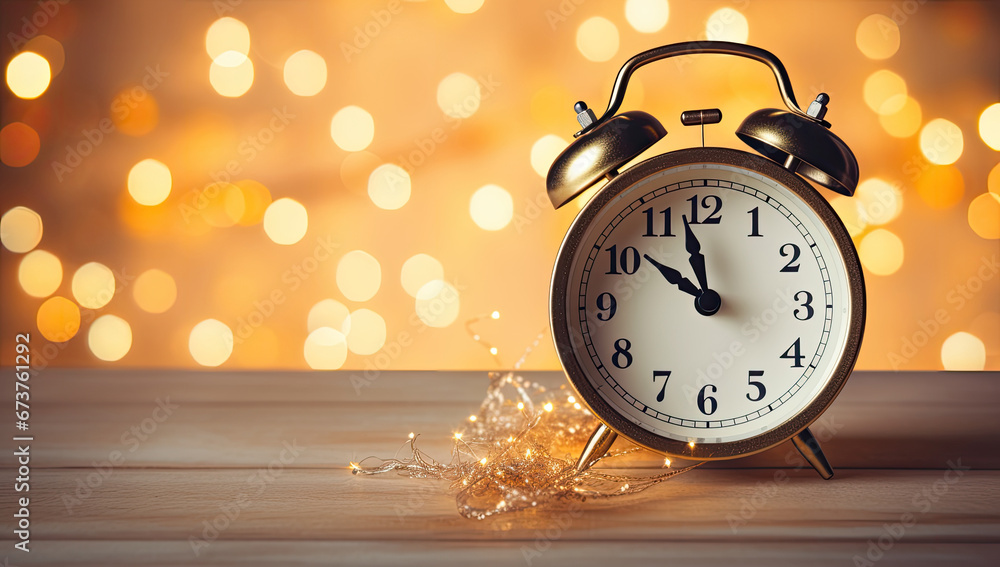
<point>134,467</point>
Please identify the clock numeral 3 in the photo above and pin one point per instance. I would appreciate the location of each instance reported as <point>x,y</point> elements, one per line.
<point>666,376</point>
<point>621,352</point>
<point>707,404</point>
<point>807,305</point>
<point>608,306</point>
<point>761,390</point>
<point>794,352</point>
<point>754,222</point>
<point>629,260</point>
<point>795,253</point>
<point>715,217</point>
<point>649,222</point>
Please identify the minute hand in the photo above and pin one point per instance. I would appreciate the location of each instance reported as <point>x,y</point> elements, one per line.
<point>697,259</point>
<point>674,277</point>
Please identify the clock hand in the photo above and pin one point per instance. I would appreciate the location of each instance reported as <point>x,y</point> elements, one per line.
<point>697,259</point>
<point>674,277</point>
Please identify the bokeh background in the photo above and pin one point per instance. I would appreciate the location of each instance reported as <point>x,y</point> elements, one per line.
<point>360,185</point>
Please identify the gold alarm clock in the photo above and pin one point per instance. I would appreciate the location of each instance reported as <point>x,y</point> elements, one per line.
<point>707,303</point>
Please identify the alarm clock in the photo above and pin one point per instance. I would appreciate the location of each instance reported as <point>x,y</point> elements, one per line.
<point>707,303</point>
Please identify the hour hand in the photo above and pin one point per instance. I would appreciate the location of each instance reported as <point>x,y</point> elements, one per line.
<point>674,277</point>
<point>697,259</point>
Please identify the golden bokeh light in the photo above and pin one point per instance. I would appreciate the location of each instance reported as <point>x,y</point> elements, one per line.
<point>19,144</point>
<point>459,95</point>
<point>727,24</point>
<point>878,37</point>
<point>154,291</point>
<point>850,212</point>
<point>58,319</point>
<point>210,342</point>
<point>305,73</point>
<point>597,39</point>
<point>256,199</point>
<point>647,16</point>
<point>228,36</point>
<point>109,338</point>
<point>417,271</point>
<point>881,202</point>
<point>93,285</point>
<point>491,207</point>
<point>437,303</point>
<point>359,275</point>
<point>149,182</point>
<point>989,126</point>
<point>963,351</point>
<point>941,186</point>
<point>325,349</point>
<point>40,273</point>
<point>134,111</point>
<point>20,229</point>
<point>329,313</point>
<point>367,335</point>
<point>885,92</point>
<point>220,204</point>
<point>464,6</point>
<point>286,221</point>
<point>28,75</point>
<point>905,122</point>
<point>544,152</point>
<point>389,186</point>
<point>352,128</point>
<point>984,215</point>
<point>993,181</point>
<point>356,170</point>
<point>49,48</point>
<point>941,141</point>
<point>231,80</point>
<point>881,252</point>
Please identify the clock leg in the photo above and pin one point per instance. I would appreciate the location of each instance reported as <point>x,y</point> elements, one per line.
<point>810,449</point>
<point>599,443</point>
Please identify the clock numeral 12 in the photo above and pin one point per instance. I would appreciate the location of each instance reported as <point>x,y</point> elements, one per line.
<point>715,217</point>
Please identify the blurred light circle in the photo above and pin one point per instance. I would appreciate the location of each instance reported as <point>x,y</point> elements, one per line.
<point>28,75</point>
<point>325,349</point>
<point>993,181</point>
<point>905,122</point>
<point>20,229</point>
<point>491,207</point>
<point>989,126</point>
<point>437,303</point>
<point>647,16</point>
<point>154,291</point>
<point>210,342</point>
<point>286,221</point>
<point>40,273</point>
<point>50,49</point>
<point>93,285</point>
<point>221,204</point>
<point>545,151</point>
<point>963,351</point>
<point>58,319</point>
<point>885,92</point>
<point>225,35</point>
<point>881,202</point>
<point>727,24</point>
<point>389,186</point>
<point>19,144</point>
<point>109,338</point>
<point>459,95</point>
<point>305,73</point>
<point>359,275</point>
<point>231,80</point>
<point>984,215</point>
<point>149,182</point>
<point>367,335</point>
<point>850,212</point>
<point>329,313</point>
<point>941,186</point>
<point>134,111</point>
<point>256,199</point>
<point>941,141</point>
<point>878,37</point>
<point>881,252</point>
<point>352,128</point>
<point>464,6</point>
<point>597,39</point>
<point>418,270</point>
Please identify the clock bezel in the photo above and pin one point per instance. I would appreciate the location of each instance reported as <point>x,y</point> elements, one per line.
<point>706,451</point>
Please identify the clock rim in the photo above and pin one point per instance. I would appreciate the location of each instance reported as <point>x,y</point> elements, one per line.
<point>559,320</point>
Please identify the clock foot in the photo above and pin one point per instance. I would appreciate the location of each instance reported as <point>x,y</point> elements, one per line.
<point>810,449</point>
<point>599,443</point>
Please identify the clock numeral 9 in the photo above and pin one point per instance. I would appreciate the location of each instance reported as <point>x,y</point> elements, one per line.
<point>761,390</point>
<point>807,305</point>
<point>795,253</point>
<point>715,217</point>
<point>608,306</point>
<point>707,404</point>
<point>622,358</point>
<point>629,260</point>
<point>794,352</point>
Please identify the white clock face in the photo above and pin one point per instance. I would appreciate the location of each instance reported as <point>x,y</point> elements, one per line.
<point>674,359</point>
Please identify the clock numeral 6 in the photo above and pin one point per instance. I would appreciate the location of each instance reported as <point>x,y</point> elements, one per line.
<point>666,376</point>
<point>707,404</point>
<point>608,306</point>
<point>629,260</point>
<point>622,358</point>
<point>795,253</point>
<point>794,352</point>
